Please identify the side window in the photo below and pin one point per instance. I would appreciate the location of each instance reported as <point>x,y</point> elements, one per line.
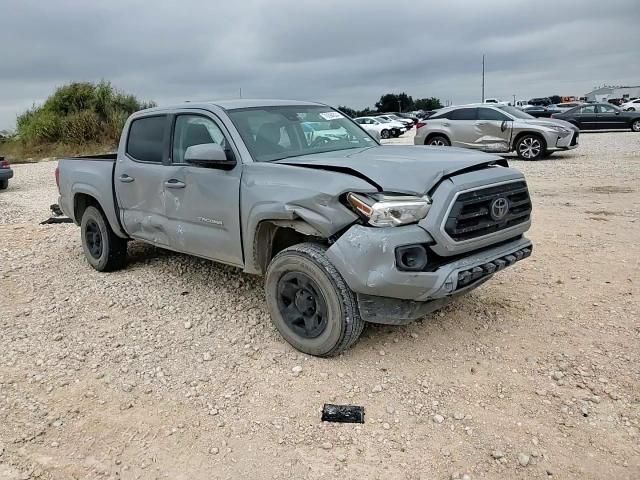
<point>491,114</point>
<point>146,139</point>
<point>588,109</point>
<point>462,114</point>
<point>607,109</point>
<point>193,130</point>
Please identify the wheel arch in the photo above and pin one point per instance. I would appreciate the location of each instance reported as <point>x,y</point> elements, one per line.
<point>273,236</point>
<point>517,138</point>
<point>436,134</point>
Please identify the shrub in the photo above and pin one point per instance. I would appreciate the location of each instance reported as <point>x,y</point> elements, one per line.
<point>79,113</point>
<point>81,127</point>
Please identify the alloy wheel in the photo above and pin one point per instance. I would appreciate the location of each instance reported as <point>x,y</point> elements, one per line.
<point>438,142</point>
<point>635,126</point>
<point>530,147</point>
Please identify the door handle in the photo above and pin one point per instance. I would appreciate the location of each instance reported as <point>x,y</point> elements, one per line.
<point>124,178</point>
<point>173,183</point>
<point>481,123</point>
<point>446,124</point>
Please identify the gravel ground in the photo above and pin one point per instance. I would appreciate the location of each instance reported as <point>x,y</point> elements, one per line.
<point>171,368</point>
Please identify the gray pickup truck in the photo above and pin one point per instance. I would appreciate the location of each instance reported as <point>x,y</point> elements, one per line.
<point>345,230</point>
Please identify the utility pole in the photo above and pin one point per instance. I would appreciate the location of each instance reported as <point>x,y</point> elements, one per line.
<point>514,100</point>
<point>240,92</point>
<point>399,106</point>
<point>483,78</point>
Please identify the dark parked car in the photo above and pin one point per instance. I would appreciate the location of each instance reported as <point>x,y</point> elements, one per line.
<point>540,111</point>
<point>5,173</point>
<point>544,101</point>
<point>601,116</point>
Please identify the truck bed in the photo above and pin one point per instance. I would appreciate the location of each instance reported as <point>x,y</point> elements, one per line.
<point>89,175</point>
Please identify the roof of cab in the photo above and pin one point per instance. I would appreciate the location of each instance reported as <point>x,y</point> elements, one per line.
<point>235,104</point>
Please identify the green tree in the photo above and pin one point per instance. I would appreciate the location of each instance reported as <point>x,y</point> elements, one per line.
<point>393,102</point>
<point>348,111</point>
<point>430,103</point>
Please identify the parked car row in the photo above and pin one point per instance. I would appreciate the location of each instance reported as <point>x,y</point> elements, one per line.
<point>385,126</point>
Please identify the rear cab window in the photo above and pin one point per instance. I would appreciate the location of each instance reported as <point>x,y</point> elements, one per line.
<point>147,139</point>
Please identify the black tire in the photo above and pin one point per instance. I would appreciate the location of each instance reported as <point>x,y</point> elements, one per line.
<point>438,141</point>
<point>337,323</point>
<point>103,249</point>
<point>631,109</point>
<point>4,184</point>
<point>385,134</point>
<point>635,125</point>
<point>531,147</point>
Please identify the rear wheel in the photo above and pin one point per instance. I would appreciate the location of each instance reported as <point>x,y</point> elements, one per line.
<point>103,249</point>
<point>530,147</point>
<point>310,304</point>
<point>384,133</point>
<point>635,125</point>
<point>438,141</point>
<point>4,184</point>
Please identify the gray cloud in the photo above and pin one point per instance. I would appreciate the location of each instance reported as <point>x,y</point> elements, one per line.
<point>336,51</point>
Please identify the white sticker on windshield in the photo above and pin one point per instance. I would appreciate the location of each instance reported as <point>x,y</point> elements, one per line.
<point>331,115</point>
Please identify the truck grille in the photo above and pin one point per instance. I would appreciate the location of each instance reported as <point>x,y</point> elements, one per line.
<point>488,210</point>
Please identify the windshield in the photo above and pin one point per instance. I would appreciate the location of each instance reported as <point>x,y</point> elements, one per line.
<point>515,112</point>
<point>383,120</point>
<point>274,133</point>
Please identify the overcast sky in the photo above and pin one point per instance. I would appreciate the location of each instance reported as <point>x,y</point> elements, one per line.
<point>335,51</point>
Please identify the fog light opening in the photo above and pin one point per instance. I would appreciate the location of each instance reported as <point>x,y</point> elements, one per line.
<point>412,258</point>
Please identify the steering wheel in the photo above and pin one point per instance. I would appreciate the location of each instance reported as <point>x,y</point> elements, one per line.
<point>319,141</point>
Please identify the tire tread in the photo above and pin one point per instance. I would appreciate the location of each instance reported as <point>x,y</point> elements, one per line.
<point>354,325</point>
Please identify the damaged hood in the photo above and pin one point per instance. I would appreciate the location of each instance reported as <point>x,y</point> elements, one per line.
<point>397,168</point>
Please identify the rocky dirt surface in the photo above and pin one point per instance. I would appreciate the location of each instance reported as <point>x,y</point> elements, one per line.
<point>171,369</point>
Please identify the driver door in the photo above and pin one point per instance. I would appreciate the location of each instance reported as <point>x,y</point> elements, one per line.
<point>494,130</point>
<point>202,203</point>
<point>609,117</point>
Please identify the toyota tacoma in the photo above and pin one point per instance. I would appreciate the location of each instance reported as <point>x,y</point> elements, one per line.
<point>344,230</point>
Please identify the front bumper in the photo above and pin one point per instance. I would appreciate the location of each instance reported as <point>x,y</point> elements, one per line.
<point>6,173</point>
<point>567,142</point>
<point>365,257</point>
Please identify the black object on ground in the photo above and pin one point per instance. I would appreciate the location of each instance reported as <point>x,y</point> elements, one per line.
<point>55,208</point>
<point>56,220</point>
<point>342,413</point>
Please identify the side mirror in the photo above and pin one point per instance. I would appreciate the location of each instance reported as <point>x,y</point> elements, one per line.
<point>503,126</point>
<point>210,155</point>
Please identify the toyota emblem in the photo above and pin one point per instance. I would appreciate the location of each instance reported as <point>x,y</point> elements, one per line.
<point>499,208</point>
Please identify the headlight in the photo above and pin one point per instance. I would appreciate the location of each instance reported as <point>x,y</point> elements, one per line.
<point>559,129</point>
<point>384,210</point>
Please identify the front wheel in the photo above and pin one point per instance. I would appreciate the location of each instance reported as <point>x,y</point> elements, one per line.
<point>530,147</point>
<point>103,249</point>
<point>310,304</point>
<point>384,133</point>
<point>635,125</point>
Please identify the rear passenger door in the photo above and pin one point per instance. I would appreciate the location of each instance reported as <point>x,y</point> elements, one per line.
<point>494,130</point>
<point>203,203</point>
<point>138,179</point>
<point>586,117</point>
<point>461,124</point>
